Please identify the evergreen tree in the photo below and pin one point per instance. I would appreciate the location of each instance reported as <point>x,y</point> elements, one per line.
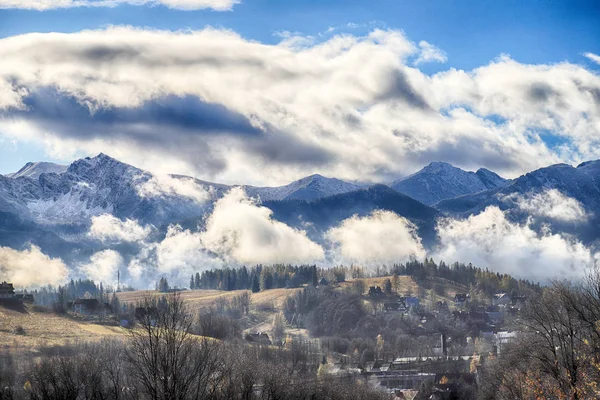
<point>192,283</point>
<point>163,285</point>
<point>255,285</point>
<point>266,279</point>
<point>387,286</point>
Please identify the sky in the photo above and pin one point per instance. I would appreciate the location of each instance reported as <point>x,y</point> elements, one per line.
<point>265,92</point>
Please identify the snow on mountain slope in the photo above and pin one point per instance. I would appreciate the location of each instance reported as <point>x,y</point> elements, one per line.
<point>89,187</point>
<point>33,170</point>
<point>439,181</point>
<point>581,183</point>
<point>50,194</point>
<point>310,188</point>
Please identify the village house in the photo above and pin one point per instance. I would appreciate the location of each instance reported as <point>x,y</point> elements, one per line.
<point>501,299</point>
<point>259,338</point>
<point>495,317</point>
<point>503,339</point>
<point>25,298</point>
<point>412,302</point>
<point>461,299</point>
<point>89,307</point>
<point>7,290</point>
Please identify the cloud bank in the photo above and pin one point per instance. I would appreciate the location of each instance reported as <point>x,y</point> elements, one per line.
<point>103,266</point>
<point>166,185</point>
<point>380,238</point>
<point>43,5</point>
<point>108,228</point>
<point>241,230</point>
<point>31,268</point>
<point>237,232</point>
<point>551,204</point>
<point>213,104</point>
<point>490,240</point>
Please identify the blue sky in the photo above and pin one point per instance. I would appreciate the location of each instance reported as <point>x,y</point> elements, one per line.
<point>471,34</point>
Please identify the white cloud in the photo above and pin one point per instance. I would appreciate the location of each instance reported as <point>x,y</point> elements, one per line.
<point>181,249</point>
<point>238,232</point>
<point>242,231</point>
<point>380,238</point>
<point>551,204</point>
<point>489,240</point>
<point>166,185</point>
<point>270,113</point>
<point>180,254</point>
<point>31,268</point>
<point>594,57</point>
<point>108,228</point>
<point>103,266</point>
<point>430,53</point>
<point>43,5</point>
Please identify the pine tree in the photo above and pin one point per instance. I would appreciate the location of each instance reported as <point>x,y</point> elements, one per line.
<point>266,279</point>
<point>387,286</point>
<point>163,285</point>
<point>192,283</point>
<point>255,285</point>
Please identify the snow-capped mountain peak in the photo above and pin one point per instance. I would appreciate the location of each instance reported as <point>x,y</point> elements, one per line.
<point>33,170</point>
<point>440,180</point>
<point>308,188</point>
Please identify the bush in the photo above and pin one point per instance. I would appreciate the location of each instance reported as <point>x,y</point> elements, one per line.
<point>19,330</point>
<point>218,326</point>
<point>267,306</point>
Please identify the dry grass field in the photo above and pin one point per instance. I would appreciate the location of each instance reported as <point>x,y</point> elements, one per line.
<point>46,329</point>
<point>264,305</point>
<point>199,299</point>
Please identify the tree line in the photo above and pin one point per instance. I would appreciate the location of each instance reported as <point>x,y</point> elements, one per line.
<point>291,276</point>
<point>255,278</point>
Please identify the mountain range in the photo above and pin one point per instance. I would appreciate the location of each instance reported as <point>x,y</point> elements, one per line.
<point>51,205</point>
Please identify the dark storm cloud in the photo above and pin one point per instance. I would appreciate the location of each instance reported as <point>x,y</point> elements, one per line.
<point>186,114</point>
<point>282,148</point>
<point>183,126</point>
<point>541,92</point>
<point>399,88</point>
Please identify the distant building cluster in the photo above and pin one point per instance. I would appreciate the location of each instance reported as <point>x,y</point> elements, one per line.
<point>8,295</point>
